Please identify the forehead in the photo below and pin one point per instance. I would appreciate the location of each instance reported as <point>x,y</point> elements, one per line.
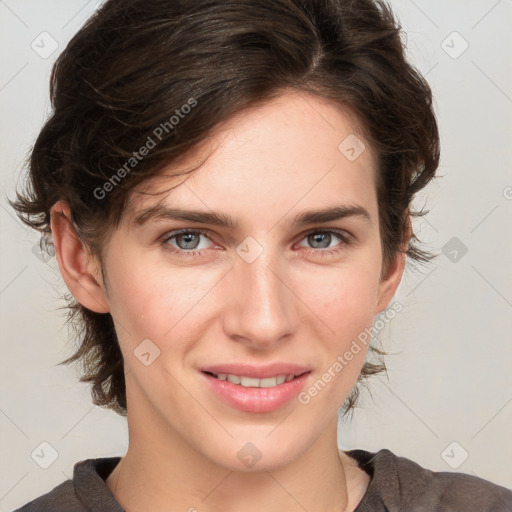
<point>298,148</point>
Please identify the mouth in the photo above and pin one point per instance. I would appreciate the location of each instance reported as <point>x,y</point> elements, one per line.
<point>256,394</point>
<point>254,382</point>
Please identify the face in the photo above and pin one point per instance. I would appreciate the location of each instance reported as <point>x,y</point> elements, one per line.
<point>189,296</point>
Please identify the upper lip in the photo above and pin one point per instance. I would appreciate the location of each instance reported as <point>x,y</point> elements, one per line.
<point>257,372</point>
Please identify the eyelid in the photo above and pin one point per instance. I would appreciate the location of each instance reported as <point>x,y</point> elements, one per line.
<point>343,233</point>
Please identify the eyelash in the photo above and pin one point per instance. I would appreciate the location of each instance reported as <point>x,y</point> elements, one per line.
<point>182,253</point>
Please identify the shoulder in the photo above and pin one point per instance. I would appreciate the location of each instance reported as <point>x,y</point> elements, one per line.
<point>399,484</point>
<point>87,490</point>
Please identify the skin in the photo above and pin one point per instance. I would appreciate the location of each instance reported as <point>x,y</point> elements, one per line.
<point>290,304</point>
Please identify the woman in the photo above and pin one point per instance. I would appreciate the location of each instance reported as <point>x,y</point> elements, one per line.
<point>228,188</point>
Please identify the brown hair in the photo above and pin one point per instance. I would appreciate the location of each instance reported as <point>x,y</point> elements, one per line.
<point>187,66</point>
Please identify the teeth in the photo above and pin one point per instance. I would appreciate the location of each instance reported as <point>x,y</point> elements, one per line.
<point>235,379</point>
<point>251,382</point>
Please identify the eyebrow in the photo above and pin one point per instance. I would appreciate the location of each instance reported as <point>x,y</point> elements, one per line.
<point>160,213</point>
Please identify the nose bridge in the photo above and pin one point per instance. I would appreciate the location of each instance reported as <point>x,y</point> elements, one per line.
<point>262,311</point>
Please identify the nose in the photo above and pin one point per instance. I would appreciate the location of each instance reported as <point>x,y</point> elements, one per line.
<point>261,309</point>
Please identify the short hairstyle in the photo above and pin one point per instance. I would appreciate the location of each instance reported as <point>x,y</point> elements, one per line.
<point>171,71</point>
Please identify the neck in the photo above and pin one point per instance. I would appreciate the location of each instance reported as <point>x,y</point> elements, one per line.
<point>150,478</point>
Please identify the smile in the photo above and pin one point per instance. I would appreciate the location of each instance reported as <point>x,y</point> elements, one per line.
<point>252,382</point>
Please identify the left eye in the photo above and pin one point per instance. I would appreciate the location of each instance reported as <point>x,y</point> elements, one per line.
<point>324,238</point>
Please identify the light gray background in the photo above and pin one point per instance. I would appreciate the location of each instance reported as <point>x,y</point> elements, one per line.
<point>450,379</point>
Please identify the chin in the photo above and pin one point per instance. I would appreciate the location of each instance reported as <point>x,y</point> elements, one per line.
<point>256,453</point>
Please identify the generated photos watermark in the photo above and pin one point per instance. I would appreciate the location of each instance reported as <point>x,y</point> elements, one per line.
<point>152,140</point>
<point>363,339</point>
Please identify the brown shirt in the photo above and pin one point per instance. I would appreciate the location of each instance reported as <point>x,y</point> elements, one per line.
<point>396,484</point>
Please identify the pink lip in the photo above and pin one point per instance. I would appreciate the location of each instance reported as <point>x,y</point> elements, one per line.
<point>258,372</point>
<point>255,399</point>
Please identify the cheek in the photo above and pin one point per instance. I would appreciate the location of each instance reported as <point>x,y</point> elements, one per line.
<point>344,299</point>
<point>343,302</point>
<point>156,303</point>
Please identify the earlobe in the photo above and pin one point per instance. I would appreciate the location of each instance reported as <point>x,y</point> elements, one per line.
<point>76,265</point>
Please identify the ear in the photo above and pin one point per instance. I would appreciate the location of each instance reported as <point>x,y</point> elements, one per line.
<point>389,283</point>
<point>79,269</point>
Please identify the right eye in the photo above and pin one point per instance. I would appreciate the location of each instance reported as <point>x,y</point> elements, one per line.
<point>186,240</point>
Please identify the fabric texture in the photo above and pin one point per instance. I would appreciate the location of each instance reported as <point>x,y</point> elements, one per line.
<point>397,484</point>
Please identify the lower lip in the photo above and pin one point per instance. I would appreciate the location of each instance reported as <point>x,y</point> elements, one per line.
<point>256,399</point>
